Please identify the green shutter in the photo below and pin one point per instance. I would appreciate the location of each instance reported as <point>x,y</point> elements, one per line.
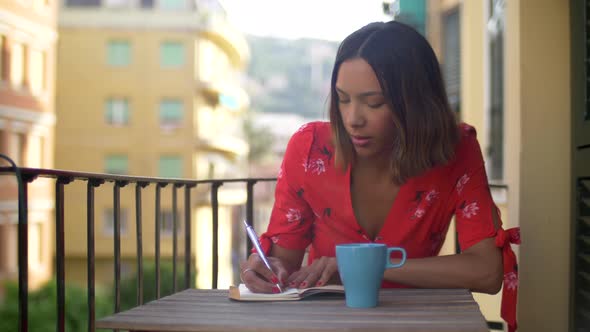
<point>171,111</point>
<point>119,53</point>
<point>171,54</point>
<point>116,164</point>
<point>170,167</point>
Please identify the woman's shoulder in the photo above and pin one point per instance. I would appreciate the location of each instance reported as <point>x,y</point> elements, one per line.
<point>311,131</point>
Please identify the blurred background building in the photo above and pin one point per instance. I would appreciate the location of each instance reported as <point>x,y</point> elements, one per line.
<point>28,39</point>
<point>150,88</point>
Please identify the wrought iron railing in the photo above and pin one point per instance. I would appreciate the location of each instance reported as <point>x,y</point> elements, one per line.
<point>62,178</point>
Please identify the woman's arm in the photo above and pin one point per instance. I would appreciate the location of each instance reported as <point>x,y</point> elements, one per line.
<point>479,268</point>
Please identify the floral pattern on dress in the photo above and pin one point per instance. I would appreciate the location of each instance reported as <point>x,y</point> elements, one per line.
<point>470,210</point>
<point>274,239</point>
<point>315,166</point>
<point>431,196</point>
<point>293,215</point>
<point>461,182</point>
<point>511,280</point>
<point>281,172</point>
<point>423,200</point>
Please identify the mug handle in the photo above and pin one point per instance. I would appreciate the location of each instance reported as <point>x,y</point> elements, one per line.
<point>388,264</point>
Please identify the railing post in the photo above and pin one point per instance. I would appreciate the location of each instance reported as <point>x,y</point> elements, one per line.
<point>117,240</point>
<point>174,235</point>
<point>158,226</point>
<point>92,183</point>
<point>60,255</point>
<point>215,248</point>
<point>139,239</point>
<point>23,250</point>
<point>187,235</point>
<point>250,212</point>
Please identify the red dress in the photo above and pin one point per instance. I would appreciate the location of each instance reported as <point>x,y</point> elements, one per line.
<point>313,207</point>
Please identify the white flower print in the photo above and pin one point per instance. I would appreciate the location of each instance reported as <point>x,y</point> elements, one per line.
<point>511,280</point>
<point>280,175</point>
<point>431,196</point>
<point>316,166</point>
<point>293,215</point>
<point>461,183</point>
<point>274,239</point>
<point>419,213</point>
<point>470,210</point>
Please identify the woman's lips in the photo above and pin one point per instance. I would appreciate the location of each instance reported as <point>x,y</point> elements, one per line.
<point>360,141</point>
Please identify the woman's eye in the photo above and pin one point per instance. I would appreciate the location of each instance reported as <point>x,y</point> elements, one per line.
<point>343,101</point>
<point>375,105</point>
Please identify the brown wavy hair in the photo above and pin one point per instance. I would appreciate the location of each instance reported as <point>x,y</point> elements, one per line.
<point>411,81</point>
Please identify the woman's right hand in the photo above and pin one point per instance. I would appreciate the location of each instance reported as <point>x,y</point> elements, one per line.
<point>258,278</point>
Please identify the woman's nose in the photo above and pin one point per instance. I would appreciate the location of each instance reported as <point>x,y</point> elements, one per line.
<point>356,116</point>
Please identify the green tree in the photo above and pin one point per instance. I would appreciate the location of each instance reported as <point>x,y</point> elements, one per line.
<point>129,285</point>
<point>260,140</point>
<point>43,308</point>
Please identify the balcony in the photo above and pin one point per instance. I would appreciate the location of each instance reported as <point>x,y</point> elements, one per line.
<point>180,192</point>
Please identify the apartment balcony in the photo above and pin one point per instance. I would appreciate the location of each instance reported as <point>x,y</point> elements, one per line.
<point>217,29</point>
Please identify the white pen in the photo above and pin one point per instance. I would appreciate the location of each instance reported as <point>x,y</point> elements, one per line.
<point>254,238</point>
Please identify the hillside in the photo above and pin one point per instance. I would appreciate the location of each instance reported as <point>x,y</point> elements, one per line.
<point>290,76</point>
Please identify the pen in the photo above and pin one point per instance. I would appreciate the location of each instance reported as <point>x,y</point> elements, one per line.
<point>254,238</point>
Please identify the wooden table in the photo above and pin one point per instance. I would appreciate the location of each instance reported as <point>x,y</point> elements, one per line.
<point>398,310</point>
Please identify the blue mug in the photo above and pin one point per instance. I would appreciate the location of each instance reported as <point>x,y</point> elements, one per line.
<point>361,267</point>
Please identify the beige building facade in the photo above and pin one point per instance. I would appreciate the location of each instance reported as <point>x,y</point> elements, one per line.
<point>28,38</point>
<point>148,88</point>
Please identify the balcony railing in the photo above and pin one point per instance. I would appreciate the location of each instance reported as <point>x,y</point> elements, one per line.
<point>25,176</point>
<point>62,178</point>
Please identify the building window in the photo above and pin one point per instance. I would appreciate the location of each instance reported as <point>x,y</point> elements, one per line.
<point>173,4</point>
<point>116,164</point>
<point>167,223</point>
<point>37,71</point>
<point>452,59</point>
<point>495,149</point>
<point>17,64</point>
<point>147,4</point>
<point>170,167</point>
<point>108,224</point>
<point>171,113</point>
<point>117,111</point>
<point>82,3</point>
<point>118,53</point>
<point>171,54</point>
<point>117,3</point>
<point>17,148</point>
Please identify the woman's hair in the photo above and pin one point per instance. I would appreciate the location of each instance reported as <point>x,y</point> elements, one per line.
<point>411,81</point>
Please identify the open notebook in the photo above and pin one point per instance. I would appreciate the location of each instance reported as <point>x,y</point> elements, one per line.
<point>242,293</point>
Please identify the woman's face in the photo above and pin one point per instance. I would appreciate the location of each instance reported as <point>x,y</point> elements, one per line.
<point>366,115</point>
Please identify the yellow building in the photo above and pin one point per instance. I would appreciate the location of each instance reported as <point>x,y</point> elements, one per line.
<point>148,88</point>
<point>27,90</point>
<point>518,71</point>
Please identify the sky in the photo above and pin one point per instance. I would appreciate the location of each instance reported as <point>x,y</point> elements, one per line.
<point>321,19</point>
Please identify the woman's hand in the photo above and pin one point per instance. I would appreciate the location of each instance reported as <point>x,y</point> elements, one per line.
<point>258,278</point>
<point>320,271</point>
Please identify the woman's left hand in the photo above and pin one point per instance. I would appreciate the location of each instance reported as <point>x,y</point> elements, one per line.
<point>318,273</point>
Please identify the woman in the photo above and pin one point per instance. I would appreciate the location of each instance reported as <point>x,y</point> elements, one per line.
<point>392,166</point>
